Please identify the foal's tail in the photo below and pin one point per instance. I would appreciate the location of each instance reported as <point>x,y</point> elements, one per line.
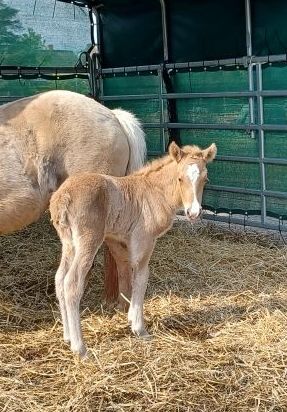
<point>136,139</point>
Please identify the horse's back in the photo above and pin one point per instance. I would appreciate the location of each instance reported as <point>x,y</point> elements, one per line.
<point>46,138</point>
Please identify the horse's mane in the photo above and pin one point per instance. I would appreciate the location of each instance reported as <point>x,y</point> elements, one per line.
<point>154,165</point>
<point>157,164</point>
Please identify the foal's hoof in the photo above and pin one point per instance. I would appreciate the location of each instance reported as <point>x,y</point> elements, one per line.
<point>145,336</point>
<point>81,353</point>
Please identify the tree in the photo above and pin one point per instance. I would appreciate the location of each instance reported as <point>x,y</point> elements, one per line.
<point>8,28</point>
<point>29,49</point>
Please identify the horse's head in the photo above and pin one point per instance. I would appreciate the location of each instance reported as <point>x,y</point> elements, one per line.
<point>192,175</point>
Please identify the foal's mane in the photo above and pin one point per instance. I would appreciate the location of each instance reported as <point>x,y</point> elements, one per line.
<point>154,165</point>
<point>158,164</point>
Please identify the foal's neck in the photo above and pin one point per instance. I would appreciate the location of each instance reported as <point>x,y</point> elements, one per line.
<point>162,178</point>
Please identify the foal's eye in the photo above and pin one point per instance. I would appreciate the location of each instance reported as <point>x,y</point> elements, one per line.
<point>180,179</point>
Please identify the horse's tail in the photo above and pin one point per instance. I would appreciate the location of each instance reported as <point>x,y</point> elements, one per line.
<point>136,139</point>
<point>137,145</point>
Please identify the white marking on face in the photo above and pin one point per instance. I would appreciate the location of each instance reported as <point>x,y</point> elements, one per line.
<point>193,172</point>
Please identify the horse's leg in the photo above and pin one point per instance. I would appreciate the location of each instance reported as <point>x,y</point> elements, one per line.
<point>140,259</point>
<point>119,252</point>
<point>86,247</point>
<point>66,261</point>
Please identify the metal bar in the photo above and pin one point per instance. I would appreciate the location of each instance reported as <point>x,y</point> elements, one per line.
<point>245,222</point>
<point>161,103</point>
<point>266,93</point>
<point>250,64</point>
<point>131,69</point>
<point>211,126</point>
<point>242,61</point>
<point>131,97</point>
<point>269,127</point>
<point>209,95</point>
<point>164,30</point>
<point>208,126</point>
<point>260,114</point>
<point>144,68</point>
<point>248,28</point>
<point>257,192</point>
<point>245,159</point>
<point>42,69</point>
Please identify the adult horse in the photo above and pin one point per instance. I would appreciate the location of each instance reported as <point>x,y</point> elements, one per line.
<point>53,135</point>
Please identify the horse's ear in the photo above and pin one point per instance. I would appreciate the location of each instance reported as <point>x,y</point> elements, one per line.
<point>209,153</point>
<point>175,152</point>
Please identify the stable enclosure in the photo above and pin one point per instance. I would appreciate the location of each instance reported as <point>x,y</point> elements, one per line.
<point>194,72</point>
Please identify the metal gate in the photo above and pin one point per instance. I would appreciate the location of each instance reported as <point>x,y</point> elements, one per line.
<point>239,103</point>
<point>175,64</point>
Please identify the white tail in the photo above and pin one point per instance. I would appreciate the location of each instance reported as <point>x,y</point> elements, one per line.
<point>136,139</point>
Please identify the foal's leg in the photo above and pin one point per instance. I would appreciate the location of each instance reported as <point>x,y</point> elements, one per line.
<point>86,247</point>
<point>141,256</point>
<point>120,253</point>
<point>66,261</point>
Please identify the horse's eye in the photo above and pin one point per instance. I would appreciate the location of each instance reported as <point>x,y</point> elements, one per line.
<point>180,179</point>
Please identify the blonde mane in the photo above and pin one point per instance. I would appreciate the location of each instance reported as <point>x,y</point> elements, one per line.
<point>157,164</point>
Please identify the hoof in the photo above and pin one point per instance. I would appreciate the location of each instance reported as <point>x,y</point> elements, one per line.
<point>80,353</point>
<point>145,336</point>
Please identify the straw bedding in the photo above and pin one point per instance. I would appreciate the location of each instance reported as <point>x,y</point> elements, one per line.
<point>216,306</point>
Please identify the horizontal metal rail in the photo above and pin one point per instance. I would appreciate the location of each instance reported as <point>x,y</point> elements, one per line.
<point>42,69</point>
<point>246,159</point>
<point>130,97</point>
<point>271,127</point>
<point>215,126</point>
<point>197,95</point>
<point>257,192</point>
<point>221,63</point>
<point>245,222</point>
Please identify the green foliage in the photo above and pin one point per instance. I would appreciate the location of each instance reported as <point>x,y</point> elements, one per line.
<point>29,49</point>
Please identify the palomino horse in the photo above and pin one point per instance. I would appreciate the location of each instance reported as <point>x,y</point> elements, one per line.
<point>48,137</point>
<point>129,213</point>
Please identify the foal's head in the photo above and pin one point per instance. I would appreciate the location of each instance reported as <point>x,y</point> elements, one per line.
<point>192,175</point>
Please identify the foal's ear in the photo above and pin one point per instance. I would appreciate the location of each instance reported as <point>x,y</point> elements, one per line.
<point>175,152</point>
<point>209,153</point>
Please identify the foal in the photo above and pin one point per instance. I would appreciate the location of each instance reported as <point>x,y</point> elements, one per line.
<point>129,213</point>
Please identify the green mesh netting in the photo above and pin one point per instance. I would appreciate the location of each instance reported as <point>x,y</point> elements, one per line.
<point>42,33</point>
<point>222,111</point>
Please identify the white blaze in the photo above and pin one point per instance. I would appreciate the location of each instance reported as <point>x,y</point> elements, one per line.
<point>193,173</point>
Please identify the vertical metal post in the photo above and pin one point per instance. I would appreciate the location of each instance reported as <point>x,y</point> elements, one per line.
<point>260,114</point>
<point>162,117</point>
<point>164,30</point>
<point>96,82</point>
<point>250,65</point>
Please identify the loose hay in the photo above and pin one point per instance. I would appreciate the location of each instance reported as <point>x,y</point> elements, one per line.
<point>216,305</point>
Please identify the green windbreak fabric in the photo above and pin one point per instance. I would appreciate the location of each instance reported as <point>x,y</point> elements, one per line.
<point>147,110</point>
<point>206,30</point>
<point>42,33</point>
<point>269,30</point>
<point>230,111</point>
<point>131,32</point>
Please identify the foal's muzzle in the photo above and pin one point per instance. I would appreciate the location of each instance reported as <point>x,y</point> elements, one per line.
<point>192,215</point>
